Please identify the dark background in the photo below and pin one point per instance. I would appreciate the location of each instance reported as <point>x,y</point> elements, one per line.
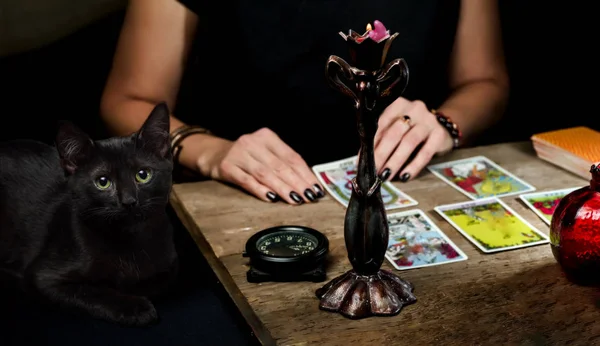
<point>548,47</point>
<point>550,51</point>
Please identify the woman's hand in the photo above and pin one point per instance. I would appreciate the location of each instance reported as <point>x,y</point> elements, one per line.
<point>405,127</point>
<point>265,166</point>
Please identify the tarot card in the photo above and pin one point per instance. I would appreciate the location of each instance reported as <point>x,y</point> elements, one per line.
<point>491,225</point>
<point>543,203</point>
<point>479,177</point>
<point>337,177</point>
<point>415,242</point>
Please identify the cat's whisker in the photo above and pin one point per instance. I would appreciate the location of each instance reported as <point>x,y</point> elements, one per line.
<point>106,213</point>
<point>155,201</point>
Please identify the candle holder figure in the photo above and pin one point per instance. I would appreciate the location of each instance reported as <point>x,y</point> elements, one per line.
<point>366,290</point>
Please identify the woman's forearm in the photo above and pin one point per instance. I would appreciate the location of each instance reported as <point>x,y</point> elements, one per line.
<point>476,106</point>
<point>127,116</point>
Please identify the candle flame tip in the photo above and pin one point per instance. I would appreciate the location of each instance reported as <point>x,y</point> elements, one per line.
<point>369,27</point>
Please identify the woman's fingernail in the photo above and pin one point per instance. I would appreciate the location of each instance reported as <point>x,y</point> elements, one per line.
<point>296,197</point>
<point>272,197</point>
<point>404,177</point>
<point>310,195</point>
<point>385,174</point>
<point>319,191</point>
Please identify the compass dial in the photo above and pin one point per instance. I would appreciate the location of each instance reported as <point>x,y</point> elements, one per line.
<point>287,244</point>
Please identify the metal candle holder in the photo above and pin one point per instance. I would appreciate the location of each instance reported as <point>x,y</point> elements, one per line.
<point>366,290</point>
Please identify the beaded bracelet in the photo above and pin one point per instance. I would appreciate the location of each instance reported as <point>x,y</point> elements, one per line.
<point>450,126</point>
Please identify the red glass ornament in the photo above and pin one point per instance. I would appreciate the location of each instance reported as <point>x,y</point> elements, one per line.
<point>575,232</point>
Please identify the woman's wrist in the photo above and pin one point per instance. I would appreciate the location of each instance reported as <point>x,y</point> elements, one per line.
<point>198,152</point>
<point>180,134</point>
<point>450,126</point>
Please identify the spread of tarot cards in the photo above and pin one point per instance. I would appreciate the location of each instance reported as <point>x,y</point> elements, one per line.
<point>337,177</point>
<point>544,203</point>
<point>491,225</point>
<point>479,177</point>
<point>415,242</point>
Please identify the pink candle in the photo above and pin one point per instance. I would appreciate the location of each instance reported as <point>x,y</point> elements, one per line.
<point>379,32</point>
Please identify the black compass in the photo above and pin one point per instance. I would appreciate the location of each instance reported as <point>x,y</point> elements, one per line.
<point>287,253</point>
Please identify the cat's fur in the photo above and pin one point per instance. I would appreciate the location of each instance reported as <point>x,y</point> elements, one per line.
<point>100,252</point>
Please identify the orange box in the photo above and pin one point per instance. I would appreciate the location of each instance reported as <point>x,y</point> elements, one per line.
<point>580,141</point>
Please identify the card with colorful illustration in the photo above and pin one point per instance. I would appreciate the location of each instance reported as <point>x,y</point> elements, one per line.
<point>543,203</point>
<point>415,242</point>
<point>479,177</point>
<point>337,177</point>
<point>491,225</point>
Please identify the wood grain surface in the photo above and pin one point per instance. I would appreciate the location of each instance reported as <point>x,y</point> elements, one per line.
<point>517,297</point>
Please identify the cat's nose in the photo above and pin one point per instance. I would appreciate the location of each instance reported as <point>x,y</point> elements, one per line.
<point>129,201</point>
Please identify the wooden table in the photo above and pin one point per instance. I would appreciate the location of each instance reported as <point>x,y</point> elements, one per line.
<point>513,297</point>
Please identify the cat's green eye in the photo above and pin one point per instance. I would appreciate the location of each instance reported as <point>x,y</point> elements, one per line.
<point>143,176</point>
<point>103,183</point>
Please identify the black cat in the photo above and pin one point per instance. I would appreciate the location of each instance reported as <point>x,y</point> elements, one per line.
<point>84,225</point>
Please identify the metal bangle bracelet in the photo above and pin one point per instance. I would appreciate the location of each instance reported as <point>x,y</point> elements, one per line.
<point>182,133</point>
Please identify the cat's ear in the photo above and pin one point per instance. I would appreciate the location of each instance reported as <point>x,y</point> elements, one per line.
<point>154,134</point>
<point>74,146</point>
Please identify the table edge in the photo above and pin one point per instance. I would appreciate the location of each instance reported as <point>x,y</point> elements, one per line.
<point>258,328</point>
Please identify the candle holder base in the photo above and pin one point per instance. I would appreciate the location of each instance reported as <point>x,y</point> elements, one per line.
<point>359,296</point>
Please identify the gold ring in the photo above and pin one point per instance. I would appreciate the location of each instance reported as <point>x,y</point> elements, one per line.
<point>407,120</point>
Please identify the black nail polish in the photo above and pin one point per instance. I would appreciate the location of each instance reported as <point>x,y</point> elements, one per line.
<point>272,197</point>
<point>404,178</point>
<point>385,174</point>
<point>319,191</point>
<point>310,195</point>
<point>296,197</point>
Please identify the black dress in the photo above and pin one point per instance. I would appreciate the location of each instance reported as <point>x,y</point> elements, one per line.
<point>261,64</point>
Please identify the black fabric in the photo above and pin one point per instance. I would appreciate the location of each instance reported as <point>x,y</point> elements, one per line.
<point>61,81</point>
<point>196,312</point>
<point>262,64</point>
